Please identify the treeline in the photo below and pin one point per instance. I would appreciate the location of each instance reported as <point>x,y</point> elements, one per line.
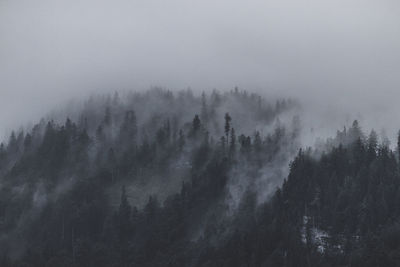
<point>59,181</point>
<point>351,194</point>
<point>83,192</point>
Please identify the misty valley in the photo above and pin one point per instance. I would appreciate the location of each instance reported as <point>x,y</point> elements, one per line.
<point>162,178</point>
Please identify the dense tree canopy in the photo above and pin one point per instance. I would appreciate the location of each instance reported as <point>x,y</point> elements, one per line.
<point>163,179</point>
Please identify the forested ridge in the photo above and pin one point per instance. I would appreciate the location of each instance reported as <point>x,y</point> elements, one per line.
<point>177,179</point>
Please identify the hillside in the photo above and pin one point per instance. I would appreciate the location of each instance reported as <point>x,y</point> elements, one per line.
<point>174,179</point>
<point>91,184</point>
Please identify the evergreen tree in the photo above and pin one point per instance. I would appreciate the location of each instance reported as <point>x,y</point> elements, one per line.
<point>232,145</point>
<point>227,126</point>
<point>204,109</point>
<point>398,145</point>
<point>196,125</point>
<point>124,216</point>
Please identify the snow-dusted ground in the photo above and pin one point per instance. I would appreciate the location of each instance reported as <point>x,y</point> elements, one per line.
<point>318,237</point>
<point>322,239</point>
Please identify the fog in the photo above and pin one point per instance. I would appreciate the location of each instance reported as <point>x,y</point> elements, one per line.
<point>340,58</point>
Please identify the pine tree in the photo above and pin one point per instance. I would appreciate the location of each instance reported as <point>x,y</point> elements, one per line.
<point>204,109</point>
<point>12,144</point>
<point>196,125</point>
<point>372,145</point>
<point>257,142</point>
<point>124,216</point>
<point>398,145</point>
<point>232,145</point>
<point>227,126</point>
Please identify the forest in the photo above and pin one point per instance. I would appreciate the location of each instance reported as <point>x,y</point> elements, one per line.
<point>162,178</point>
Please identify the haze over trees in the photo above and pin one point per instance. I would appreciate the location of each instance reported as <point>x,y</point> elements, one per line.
<point>176,179</point>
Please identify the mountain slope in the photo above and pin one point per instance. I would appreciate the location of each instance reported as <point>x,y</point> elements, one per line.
<point>163,179</point>
<point>130,177</point>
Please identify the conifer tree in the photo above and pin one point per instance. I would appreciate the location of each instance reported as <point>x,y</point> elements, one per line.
<point>227,126</point>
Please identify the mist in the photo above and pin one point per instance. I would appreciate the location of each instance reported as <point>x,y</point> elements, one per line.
<point>340,58</point>
<point>199,133</point>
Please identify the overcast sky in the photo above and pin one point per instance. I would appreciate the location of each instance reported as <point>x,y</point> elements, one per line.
<point>339,56</point>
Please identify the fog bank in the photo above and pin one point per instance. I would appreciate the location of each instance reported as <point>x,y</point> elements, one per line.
<point>340,58</point>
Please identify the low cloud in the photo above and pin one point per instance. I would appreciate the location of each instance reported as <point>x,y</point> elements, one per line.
<point>340,58</point>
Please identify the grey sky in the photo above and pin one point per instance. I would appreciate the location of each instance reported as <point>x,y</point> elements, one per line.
<point>340,55</point>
